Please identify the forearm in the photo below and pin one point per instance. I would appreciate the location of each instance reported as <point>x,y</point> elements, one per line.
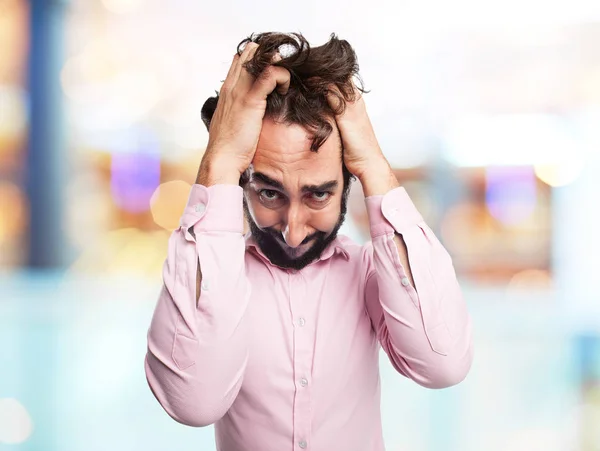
<point>215,170</point>
<point>425,326</point>
<point>428,328</point>
<point>378,180</point>
<point>197,346</point>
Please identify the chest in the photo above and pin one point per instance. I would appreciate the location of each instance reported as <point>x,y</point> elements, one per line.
<point>306,326</point>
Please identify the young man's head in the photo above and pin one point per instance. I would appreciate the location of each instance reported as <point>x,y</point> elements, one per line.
<point>296,189</point>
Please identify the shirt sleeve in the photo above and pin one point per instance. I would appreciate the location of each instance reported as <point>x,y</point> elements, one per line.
<point>197,349</point>
<point>426,332</point>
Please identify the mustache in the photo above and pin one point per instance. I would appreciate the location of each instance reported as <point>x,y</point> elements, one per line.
<point>279,236</point>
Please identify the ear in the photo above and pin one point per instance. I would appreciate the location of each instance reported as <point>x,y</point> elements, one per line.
<point>208,109</point>
<point>245,178</point>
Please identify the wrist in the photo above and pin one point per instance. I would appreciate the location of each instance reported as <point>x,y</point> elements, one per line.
<point>216,170</point>
<point>378,179</point>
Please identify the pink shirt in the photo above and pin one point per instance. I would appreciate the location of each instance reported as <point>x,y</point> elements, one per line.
<point>284,360</point>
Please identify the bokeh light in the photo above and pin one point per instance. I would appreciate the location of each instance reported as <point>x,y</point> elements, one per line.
<point>14,210</point>
<point>15,423</point>
<point>122,6</point>
<point>535,439</point>
<point>13,38</point>
<point>590,414</point>
<point>459,225</point>
<point>530,279</point>
<point>111,82</point>
<point>13,111</point>
<point>168,202</point>
<point>135,174</point>
<point>124,251</point>
<point>92,208</point>
<point>510,193</point>
<point>191,138</point>
<point>509,140</point>
<point>557,175</point>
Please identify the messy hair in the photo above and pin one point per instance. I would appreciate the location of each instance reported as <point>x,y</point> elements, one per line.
<point>313,71</point>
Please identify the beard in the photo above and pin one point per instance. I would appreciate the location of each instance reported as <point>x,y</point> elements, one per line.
<point>272,245</point>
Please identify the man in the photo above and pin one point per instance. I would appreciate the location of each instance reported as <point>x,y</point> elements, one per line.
<point>274,336</point>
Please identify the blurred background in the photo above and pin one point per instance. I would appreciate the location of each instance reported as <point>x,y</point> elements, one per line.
<point>488,111</point>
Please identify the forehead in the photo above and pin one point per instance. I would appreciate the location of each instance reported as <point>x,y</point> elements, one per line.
<point>284,151</point>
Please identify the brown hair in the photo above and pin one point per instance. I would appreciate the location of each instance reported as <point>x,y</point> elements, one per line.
<point>313,72</point>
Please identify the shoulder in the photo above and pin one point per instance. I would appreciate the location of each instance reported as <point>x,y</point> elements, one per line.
<point>359,254</point>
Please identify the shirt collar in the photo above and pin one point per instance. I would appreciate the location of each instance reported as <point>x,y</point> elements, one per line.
<point>336,247</point>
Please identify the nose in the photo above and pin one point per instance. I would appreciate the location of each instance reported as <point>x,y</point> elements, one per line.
<point>295,230</point>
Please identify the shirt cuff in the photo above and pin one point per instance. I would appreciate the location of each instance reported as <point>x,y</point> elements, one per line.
<point>391,212</point>
<point>217,208</point>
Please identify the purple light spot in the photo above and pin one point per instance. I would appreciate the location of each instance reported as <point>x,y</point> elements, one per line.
<point>134,177</point>
<point>510,193</point>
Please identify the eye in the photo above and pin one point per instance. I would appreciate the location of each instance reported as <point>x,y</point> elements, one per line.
<point>269,194</point>
<point>320,196</point>
<point>271,198</point>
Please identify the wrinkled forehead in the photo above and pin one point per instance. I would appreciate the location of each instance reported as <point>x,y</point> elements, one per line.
<point>288,146</point>
<point>291,176</point>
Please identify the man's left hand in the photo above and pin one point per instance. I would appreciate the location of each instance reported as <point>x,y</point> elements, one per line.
<point>362,155</point>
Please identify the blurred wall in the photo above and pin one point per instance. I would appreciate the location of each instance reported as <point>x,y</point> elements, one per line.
<point>488,112</point>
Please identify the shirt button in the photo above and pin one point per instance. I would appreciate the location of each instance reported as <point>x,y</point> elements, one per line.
<point>405,281</point>
<point>301,322</point>
<point>200,208</point>
<point>204,285</point>
<point>304,382</point>
<point>302,444</point>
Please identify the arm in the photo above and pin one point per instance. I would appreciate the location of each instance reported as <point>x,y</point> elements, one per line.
<point>197,347</point>
<point>412,294</point>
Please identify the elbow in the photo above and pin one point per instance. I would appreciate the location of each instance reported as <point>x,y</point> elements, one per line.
<point>181,403</point>
<point>444,379</point>
<point>451,367</point>
<point>188,412</point>
<point>449,370</point>
<point>195,417</point>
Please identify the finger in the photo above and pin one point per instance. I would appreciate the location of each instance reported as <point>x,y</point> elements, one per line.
<point>334,96</point>
<point>230,74</point>
<point>246,55</point>
<point>249,51</point>
<point>333,100</point>
<point>271,78</point>
<point>245,79</point>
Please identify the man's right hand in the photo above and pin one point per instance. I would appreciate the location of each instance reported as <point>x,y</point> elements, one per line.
<point>237,121</point>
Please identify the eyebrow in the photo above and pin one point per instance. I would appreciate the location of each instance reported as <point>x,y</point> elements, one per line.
<point>264,178</point>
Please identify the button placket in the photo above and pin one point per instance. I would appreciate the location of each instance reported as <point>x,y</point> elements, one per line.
<point>302,360</point>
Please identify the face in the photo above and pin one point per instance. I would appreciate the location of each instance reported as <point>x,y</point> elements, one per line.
<point>295,199</point>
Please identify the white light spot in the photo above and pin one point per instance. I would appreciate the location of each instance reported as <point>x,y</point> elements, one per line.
<point>13,111</point>
<point>122,6</point>
<point>286,50</point>
<point>557,175</point>
<point>15,423</point>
